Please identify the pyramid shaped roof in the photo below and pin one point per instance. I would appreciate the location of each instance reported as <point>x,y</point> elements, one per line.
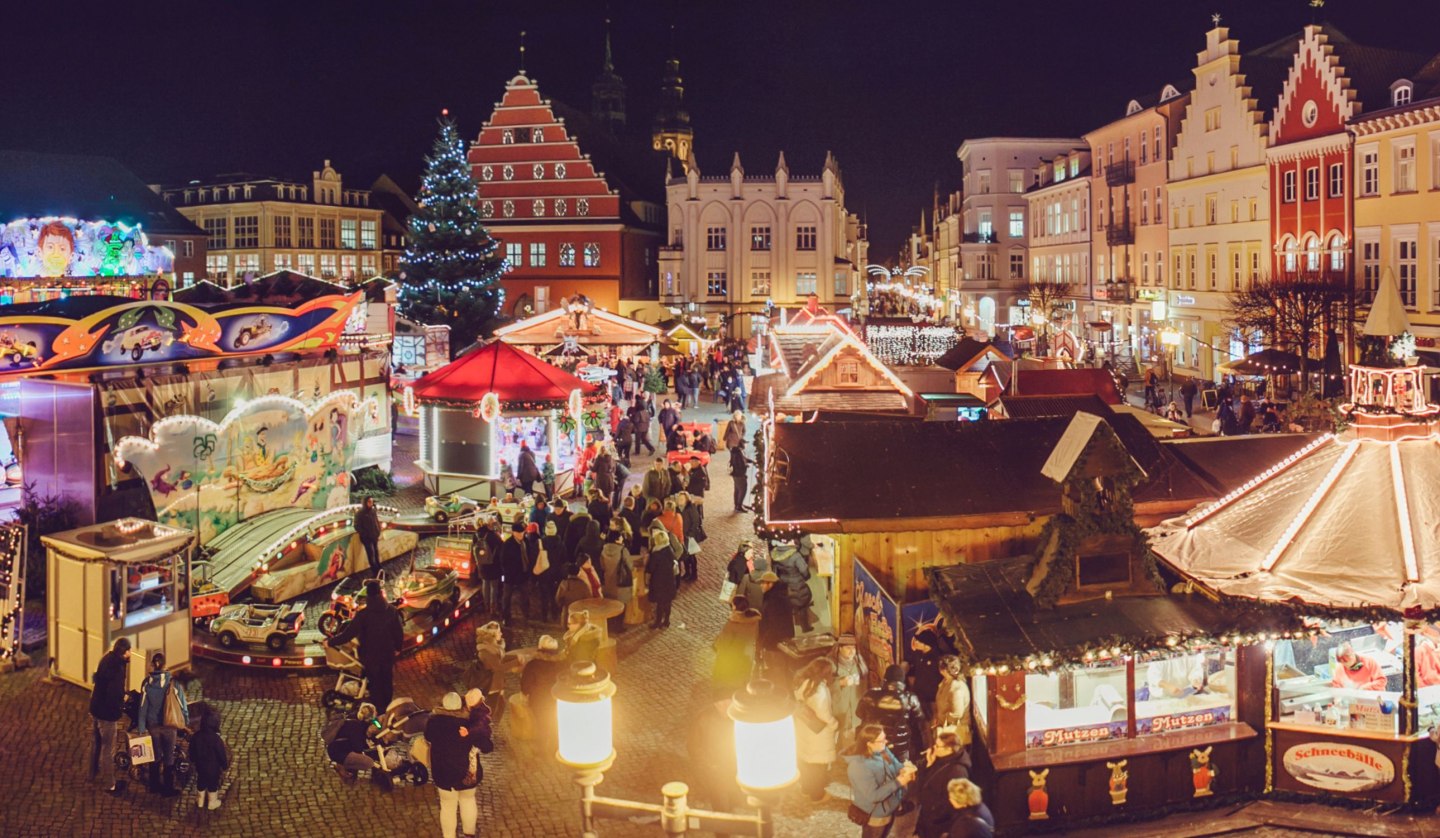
<point>1345,522</point>
<point>497,367</point>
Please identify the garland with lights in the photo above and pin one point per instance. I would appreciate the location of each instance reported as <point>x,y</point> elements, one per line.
<point>450,274</point>
<point>12,583</point>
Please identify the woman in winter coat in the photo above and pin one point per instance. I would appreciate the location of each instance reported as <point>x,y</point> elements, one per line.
<point>896,709</point>
<point>815,727</point>
<point>619,574</point>
<point>952,699</point>
<point>735,430</point>
<point>878,778</point>
<point>945,762</point>
<point>660,575</point>
<point>972,818</point>
<point>455,766</point>
<point>735,648</point>
<point>851,677</point>
<point>558,570</point>
<point>693,535</point>
<point>590,545</point>
<point>211,758</point>
<point>794,572</point>
<point>582,638</point>
<point>153,693</point>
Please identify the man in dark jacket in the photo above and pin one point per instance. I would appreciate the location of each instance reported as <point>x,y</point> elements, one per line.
<point>640,422</point>
<point>452,736</point>
<point>660,575</point>
<point>1188,391</point>
<point>377,627</point>
<point>367,528</point>
<point>536,681</point>
<point>624,438</point>
<point>603,469</point>
<point>514,570</point>
<point>946,760</point>
<point>656,483</point>
<point>107,704</point>
<point>895,708</point>
<point>739,469</point>
<point>527,473</point>
<point>560,514</point>
<point>485,563</point>
<point>669,417</point>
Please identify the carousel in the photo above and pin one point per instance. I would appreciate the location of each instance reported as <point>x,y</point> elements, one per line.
<point>1342,533</point>
<point>481,410</point>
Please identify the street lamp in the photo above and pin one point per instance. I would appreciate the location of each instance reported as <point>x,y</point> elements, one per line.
<point>764,756</point>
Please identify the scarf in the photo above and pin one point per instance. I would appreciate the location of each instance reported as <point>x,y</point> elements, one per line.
<point>592,580</point>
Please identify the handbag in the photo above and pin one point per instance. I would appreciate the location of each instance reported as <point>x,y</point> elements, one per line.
<point>805,713</point>
<point>542,562</point>
<point>692,547</point>
<point>174,715</point>
<point>857,816</point>
<point>727,591</point>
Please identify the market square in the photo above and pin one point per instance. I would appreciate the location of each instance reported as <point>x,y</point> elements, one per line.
<point>555,440</point>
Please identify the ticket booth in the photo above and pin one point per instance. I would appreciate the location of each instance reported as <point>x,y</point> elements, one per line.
<point>125,578</point>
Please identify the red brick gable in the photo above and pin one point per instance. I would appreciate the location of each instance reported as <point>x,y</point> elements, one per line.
<point>1316,75</point>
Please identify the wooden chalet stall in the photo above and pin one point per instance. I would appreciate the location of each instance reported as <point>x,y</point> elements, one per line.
<point>823,366</point>
<point>1097,694</point>
<point>980,368</point>
<point>576,327</point>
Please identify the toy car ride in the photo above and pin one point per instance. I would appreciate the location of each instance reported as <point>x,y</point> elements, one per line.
<point>432,589</point>
<point>273,625</point>
<point>441,508</point>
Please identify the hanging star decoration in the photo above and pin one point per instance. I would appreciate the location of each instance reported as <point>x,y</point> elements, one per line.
<point>1215,18</point>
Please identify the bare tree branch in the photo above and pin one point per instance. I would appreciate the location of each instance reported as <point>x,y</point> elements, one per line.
<point>1294,311</point>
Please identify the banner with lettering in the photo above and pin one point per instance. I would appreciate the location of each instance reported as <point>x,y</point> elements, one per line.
<point>877,623</point>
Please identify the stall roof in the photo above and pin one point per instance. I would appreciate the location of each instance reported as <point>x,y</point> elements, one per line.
<point>552,327</point>
<point>1076,382</point>
<point>1226,462</point>
<point>907,470</point>
<point>994,620</point>
<point>1349,523</point>
<point>497,367</point>
<point>1039,407</point>
<point>963,354</point>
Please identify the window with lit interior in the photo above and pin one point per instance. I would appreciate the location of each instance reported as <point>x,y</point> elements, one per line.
<point>1348,677</point>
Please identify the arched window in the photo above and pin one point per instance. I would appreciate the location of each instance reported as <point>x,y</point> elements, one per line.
<point>1292,251</point>
<point>1312,254</point>
<point>508,137</point>
<point>1337,254</point>
<point>537,135</point>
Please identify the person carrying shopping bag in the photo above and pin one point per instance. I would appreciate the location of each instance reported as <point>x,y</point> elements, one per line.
<point>163,712</point>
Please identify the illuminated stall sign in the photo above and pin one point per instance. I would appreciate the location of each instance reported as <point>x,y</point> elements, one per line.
<point>1181,721</point>
<point>32,248</point>
<point>1102,732</point>
<point>877,622</point>
<point>150,332</point>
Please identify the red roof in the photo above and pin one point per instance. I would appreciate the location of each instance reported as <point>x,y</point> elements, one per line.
<point>497,367</point>
<point>1076,382</point>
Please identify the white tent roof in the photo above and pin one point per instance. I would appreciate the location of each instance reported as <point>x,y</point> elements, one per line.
<point>1343,523</point>
<point>1387,314</point>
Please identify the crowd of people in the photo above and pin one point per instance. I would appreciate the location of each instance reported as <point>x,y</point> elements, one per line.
<point>634,539</point>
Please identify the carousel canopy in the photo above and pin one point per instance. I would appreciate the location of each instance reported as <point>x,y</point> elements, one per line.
<point>1342,523</point>
<point>499,368</point>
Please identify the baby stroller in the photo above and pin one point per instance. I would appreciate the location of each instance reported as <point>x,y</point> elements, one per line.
<point>351,686</point>
<point>400,725</point>
<point>182,767</point>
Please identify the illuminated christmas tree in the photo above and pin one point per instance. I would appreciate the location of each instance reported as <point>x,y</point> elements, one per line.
<point>452,268</point>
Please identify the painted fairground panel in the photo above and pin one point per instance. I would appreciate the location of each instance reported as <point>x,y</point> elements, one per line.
<point>272,452</point>
<point>84,333</point>
<point>64,247</point>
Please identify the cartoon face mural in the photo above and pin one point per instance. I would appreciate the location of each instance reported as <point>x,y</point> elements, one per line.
<point>65,247</point>
<point>270,453</point>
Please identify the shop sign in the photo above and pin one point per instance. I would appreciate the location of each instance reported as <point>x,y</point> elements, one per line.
<point>1150,294</point>
<point>1336,766</point>
<point>877,622</point>
<point>1074,735</point>
<point>1184,300</point>
<point>1181,721</point>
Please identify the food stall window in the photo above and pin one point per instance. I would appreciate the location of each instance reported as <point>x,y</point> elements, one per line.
<point>1185,690</point>
<point>1348,677</point>
<point>1075,706</point>
<point>979,691</point>
<point>1427,674</point>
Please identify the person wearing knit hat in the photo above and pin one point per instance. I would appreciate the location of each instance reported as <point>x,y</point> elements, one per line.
<point>453,735</point>
<point>661,573</point>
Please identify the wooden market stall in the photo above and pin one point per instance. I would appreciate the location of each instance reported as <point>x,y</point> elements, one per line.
<point>477,410</point>
<point>1095,692</point>
<point>579,327</point>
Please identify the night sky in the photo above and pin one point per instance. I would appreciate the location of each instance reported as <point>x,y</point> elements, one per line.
<point>891,86</point>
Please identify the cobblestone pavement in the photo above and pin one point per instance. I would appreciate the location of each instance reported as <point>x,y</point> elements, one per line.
<point>281,783</point>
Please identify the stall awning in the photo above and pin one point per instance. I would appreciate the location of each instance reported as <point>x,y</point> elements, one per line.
<point>995,622</point>
<point>499,368</point>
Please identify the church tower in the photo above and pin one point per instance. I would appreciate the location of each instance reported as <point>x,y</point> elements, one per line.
<point>672,131</point>
<point>607,94</point>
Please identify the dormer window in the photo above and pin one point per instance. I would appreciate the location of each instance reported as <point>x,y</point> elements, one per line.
<point>1401,92</point>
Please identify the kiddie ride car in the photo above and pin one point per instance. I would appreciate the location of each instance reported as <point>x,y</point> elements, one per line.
<point>273,625</point>
<point>434,590</point>
<point>17,352</point>
<point>442,508</point>
<point>258,329</point>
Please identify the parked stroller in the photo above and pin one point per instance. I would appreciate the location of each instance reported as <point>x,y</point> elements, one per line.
<point>351,685</point>
<point>401,724</point>
<point>183,768</point>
